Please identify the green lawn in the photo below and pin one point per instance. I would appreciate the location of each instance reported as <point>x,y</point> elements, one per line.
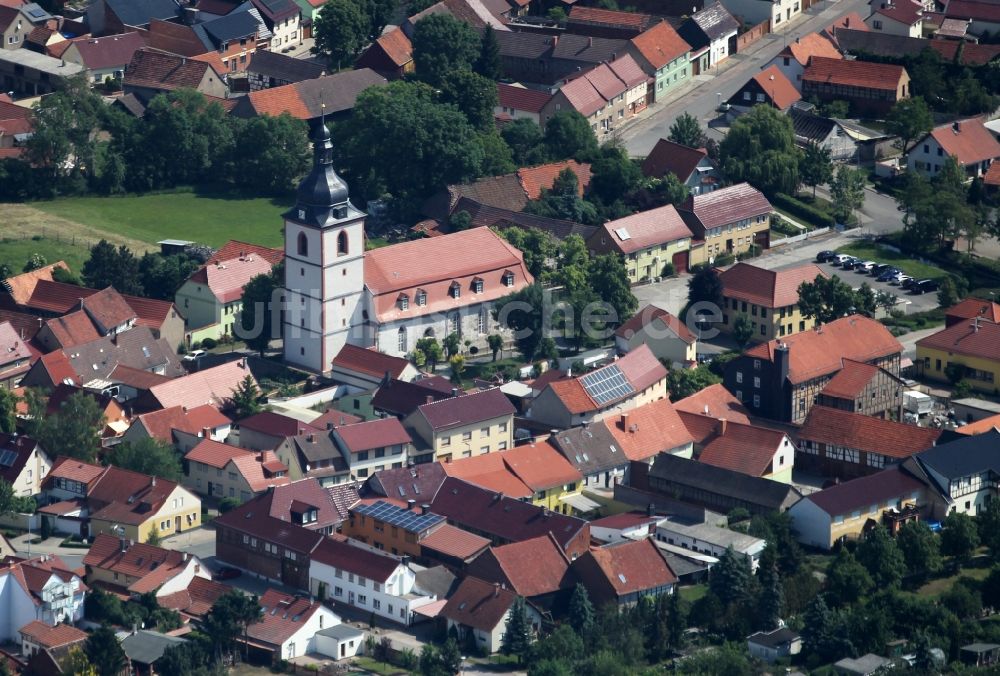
<point>207,219</point>
<point>371,666</point>
<point>875,252</point>
<point>15,251</point>
<point>937,587</point>
<point>693,593</point>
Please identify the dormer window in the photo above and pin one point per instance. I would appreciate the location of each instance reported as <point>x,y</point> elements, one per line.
<point>404,301</point>
<point>508,278</point>
<point>477,285</point>
<point>455,290</point>
<point>421,298</point>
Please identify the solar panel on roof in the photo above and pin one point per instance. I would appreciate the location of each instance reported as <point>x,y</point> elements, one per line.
<point>403,518</point>
<point>606,384</point>
<point>8,457</point>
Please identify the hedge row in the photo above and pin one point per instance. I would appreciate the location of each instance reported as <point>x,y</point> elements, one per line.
<point>804,211</point>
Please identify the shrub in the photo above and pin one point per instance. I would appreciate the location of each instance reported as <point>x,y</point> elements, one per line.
<point>209,343</point>
<point>227,504</point>
<point>804,211</point>
<point>668,270</point>
<point>723,259</point>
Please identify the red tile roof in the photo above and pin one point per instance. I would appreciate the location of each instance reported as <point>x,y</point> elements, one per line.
<point>490,473</point>
<point>812,45</point>
<point>887,485</point>
<point>781,90</point>
<point>863,74</point>
<point>235,248</point>
<point>540,466</point>
<point>215,453</point>
<point>213,386</point>
<point>624,568</point>
<point>727,205</point>
<point>12,347</point>
<point>660,45</point>
<point>226,279</point>
<point>283,616</point>
<point>269,515</point>
<point>744,448</point>
<point>668,157</point>
<point>660,320</point>
<point>21,287</point>
<point>905,12</point>
<point>197,599</point>
<point>522,98</point>
<point>454,542</point>
<point>159,70</point>
<point>645,431</point>
<point>276,425</point>
<point>968,141</point>
<point>609,17</point>
<point>982,340</point>
<point>479,604</point>
<point>110,51</point>
<point>768,288</point>
<point>980,426</point>
<point>534,179</point>
<point>74,470</point>
<point>369,361</point>
<point>126,496</point>
<point>530,568</point>
<point>72,329</point>
<point>396,46</point>
<point>640,367</point>
<point>624,520</point>
<point>821,351</point>
<point>138,560</point>
<point>466,409</point>
<point>973,9</point>
<point>714,401</point>
<point>52,637</point>
<point>355,557</point>
<point>372,434</point>
<point>851,380</point>
<point>866,433</point>
<point>645,229</point>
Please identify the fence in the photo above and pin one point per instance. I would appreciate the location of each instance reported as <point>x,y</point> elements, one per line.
<point>753,35</point>
<point>800,238</point>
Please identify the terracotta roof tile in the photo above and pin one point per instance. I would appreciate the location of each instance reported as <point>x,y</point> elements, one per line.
<point>159,70</point>
<point>781,90</point>
<point>645,229</point>
<point>640,367</point>
<point>466,409</point>
<point>226,279</point>
<point>727,205</point>
<point>768,288</point>
<point>372,434</point>
<point>235,248</point>
<point>138,559</point>
<point>534,179</point>
<point>864,74</point>
<point>627,567</point>
<point>355,557</point>
<point>213,386</point>
<point>75,470</point>
<point>813,44</point>
<point>531,567</point>
<point>12,347</point>
<point>20,287</point>
<point>109,51</point>
<point>905,12</point>
<point>744,448</point>
<point>283,616</point>
<point>540,466</point>
<point>522,98</point>
<point>52,637</point>
<point>973,9</point>
<point>982,340</point>
<point>490,473</point>
<point>369,361</point>
<point>276,425</point>
<point>968,141</point>
<point>479,604</point>
<point>866,433</point>
<point>660,320</point>
<point>453,541</point>
<point>980,426</point>
<point>851,380</point>
<point>215,453</point>
<point>702,427</point>
<point>971,308</point>
<point>396,46</point>
<point>608,17</point>
<point>197,599</point>
<point>648,430</point>
<point>668,157</point>
<point>660,44</point>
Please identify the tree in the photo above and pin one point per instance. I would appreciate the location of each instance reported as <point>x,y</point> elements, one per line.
<point>817,628</point>
<point>153,537</point>
<point>848,192</point>
<point>682,383</point>
<point>686,131</point>
<point>742,330</point>
<point>967,604</point>
<point>909,119</point>
<point>568,134</point>
<point>880,554</point>
<point>991,589</point>
<point>340,31</point>
<point>457,364</point>
<point>35,261</point>
<point>537,246</point>
<point>988,520</point>
<point>443,45</point>
<point>230,616</point>
<point>8,411</point>
<point>147,456</point>
<point>488,62</point>
<point>607,276</point>
<point>517,632</point>
<point>522,313</point>
<point>563,201</point>
<point>815,166</point>
<point>730,579</point>
<point>704,286</point>
<point>257,320</point>
<point>104,651</point>
<point>65,127</point>
<point>473,94</point>
<point>947,293</point>
<point>74,430</point>
<point>269,152</point>
<point>921,549</point>
<point>614,174</point>
<point>246,398</point>
<point>11,503</point>
<point>657,192</point>
<point>826,299</point>
<point>450,657</point>
<point>161,276</point>
<point>847,581</point>
<point>581,612</point>
<point>959,537</point>
<point>495,342</point>
<point>431,350</point>
<point>110,266</point>
<point>526,141</point>
<point>771,599</point>
<point>760,149</point>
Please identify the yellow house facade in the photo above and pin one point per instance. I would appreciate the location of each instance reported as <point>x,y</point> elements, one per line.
<point>728,220</point>
<point>647,242</point>
<point>212,298</point>
<point>487,425</point>
<point>178,513</point>
<point>973,346</point>
<point>769,299</point>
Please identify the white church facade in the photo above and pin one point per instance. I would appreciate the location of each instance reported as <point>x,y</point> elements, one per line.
<point>387,298</point>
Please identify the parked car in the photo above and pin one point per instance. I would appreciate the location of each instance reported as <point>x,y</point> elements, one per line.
<point>227,573</point>
<point>901,279</point>
<point>840,259</point>
<point>864,266</point>
<point>849,262</point>
<point>924,286</point>
<point>880,268</point>
<point>888,274</point>
<point>908,284</point>
<point>825,256</point>
<point>724,107</point>
<point>194,355</point>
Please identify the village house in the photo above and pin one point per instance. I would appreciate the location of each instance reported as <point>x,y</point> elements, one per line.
<point>38,638</point>
<point>844,139</point>
<point>792,60</point>
<point>630,381</point>
<point>479,609</point>
<point>897,17</point>
<point>730,219</point>
<point>846,445</point>
<point>465,425</point>
<point>864,388</point>
<point>288,625</point>
<point>971,308</point>
<point>705,538</point>
<point>535,569</point>
<point>870,88</point>
<point>269,69</point>
<point>283,18</point>
<point>15,356</point>
<point>390,55</point>
<point>768,299</point>
<point>692,166</point>
<point>151,72</point>
<point>774,645</point>
<point>972,145</point>
<point>745,448</point>
<point>623,572</point>
<point>664,56</point>
<point>782,379</point>
<point>408,526</point>
<point>366,368</point>
<point>667,336</point>
<point>24,464</point>
<point>606,95</point>
<point>711,32</point>
<point>778,12</point>
<point>961,474</point>
<point>308,99</point>
<point>104,58</point>
<point>43,588</point>
<point>180,427</point>
<point>134,569</point>
<point>516,102</point>
<point>535,58</point>
<point>371,446</point>
<point>648,242</point>
<point>313,455</point>
<point>607,23</point>
<point>26,73</point>
<point>109,17</point>
<point>218,470</point>
<point>967,349</point>
<point>264,431</point>
<point>768,87</point>
<point>625,526</point>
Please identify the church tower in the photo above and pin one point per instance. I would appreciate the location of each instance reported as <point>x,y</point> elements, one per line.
<point>324,265</point>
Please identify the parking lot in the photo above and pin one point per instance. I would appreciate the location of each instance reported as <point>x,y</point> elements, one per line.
<point>909,302</point>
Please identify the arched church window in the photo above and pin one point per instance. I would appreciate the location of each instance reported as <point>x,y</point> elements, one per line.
<point>303,244</point>
<point>342,244</point>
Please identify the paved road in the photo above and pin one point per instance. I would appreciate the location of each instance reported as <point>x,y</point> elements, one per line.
<point>701,98</point>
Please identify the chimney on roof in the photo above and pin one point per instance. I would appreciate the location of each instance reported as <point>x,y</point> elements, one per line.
<point>650,509</point>
<point>496,589</point>
<point>722,427</point>
<point>425,508</point>
<point>590,42</point>
<point>956,126</point>
<point>706,409</point>
<point>311,438</point>
<point>555,40</point>
<point>122,545</point>
<point>429,398</point>
<point>153,482</point>
<point>624,421</point>
<point>497,497</point>
<point>184,556</point>
<point>410,504</point>
<point>454,391</point>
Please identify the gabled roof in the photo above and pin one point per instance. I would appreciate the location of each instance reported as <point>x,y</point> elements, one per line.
<point>197,599</point>
<point>522,98</point>
<point>767,288</point>
<point>626,567</point>
<point>282,67</point>
<point>540,466</point>
<point>976,338</point>
<point>810,45</point>
<point>20,287</point>
<point>964,457</point>
<point>485,216</point>
<point>226,279</point>
<point>535,179</point>
<point>52,637</point>
<point>866,433</point>
<point>419,482</point>
<point>126,496</point>
<point>369,361</point>
<point>645,229</point>
<point>372,434</point>
<point>637,369</point>
<point>355,557</point>
<point>906,12</point>
<point>727,205</point>
<point>645,431</point>
<point>744,448</point>
<point>779,88</point>
<point>215,453</point>
<point>235,248</point>
<point>14,454</point>
<point>530,568</point>
<point>971,308</point>
<point>715,21</point>
<point>861,493</point>
<point>466,409</point>
<point>821,351</point>
<point>714,401</point>
<point>479,604</point>
<point>450,541</point>
<point>863,74</point>
<point>233,26</point>
<point>74,470</point>
<point>862,41</point>
<point>660,320</point>
<point>305,99</point>
<point>396,46</point>
<point>720,481</point>
<point>980,426</point>
<point>12,347</point>
<point>668,157</point>
<point>158,70</point>
<point>276,11</point>
<point>851,380</point>
<point>141,12</point>
<point>276,425</point>
<point>594,16</point>
<point>968,141</point>
<point>213,386</point>
<point>489,472</point>
<point>152,565</point>
<point>591,449</point>
<point>110,51</point>
<point>401,398</point>
<point>284,615</point>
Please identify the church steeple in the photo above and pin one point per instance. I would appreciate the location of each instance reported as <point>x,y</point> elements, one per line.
<point>322,189</point>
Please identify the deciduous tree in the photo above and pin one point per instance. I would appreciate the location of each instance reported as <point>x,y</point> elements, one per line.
<point>538,247</point>
<point>522,313</point>
<point>826,299</point>
<point>147,456</point>
<point>848,192</point>
<point>815,166</point>
<point>111,266</point>
<point>921,549</point>
<point>909,119</point>
<point>760,149</point>
<point>340,31</point>
<point>473,94</point>
<point>879,553</point>
<point>847,581</point>
<point>495,342</point>
<point>742,330</point>
<point>270,153</point>
<point>104,651</point>
<point>705,286</point>
<point>959,537</point>
<point>74,430</point>
<point>443,45</point>
<point>526,141</point>
<point>568,134</point>
<point>8,411</point>
<point>258,314</point>
<point>686,131</point>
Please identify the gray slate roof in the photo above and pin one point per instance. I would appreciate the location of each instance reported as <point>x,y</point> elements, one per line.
<point>721,481</point>
<point>964,457</point>
<point>589,449</point>
<point>145,647</point>
<point>284,68</point>
<point>141,12</point>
